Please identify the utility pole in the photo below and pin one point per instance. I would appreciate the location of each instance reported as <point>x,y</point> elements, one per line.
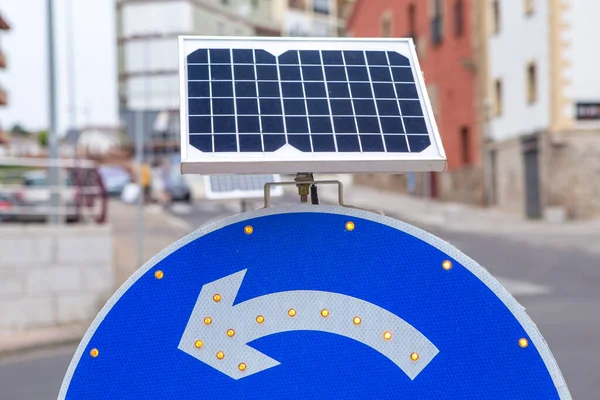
<point>54,174</point>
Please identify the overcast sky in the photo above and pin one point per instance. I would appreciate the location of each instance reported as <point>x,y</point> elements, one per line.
<point>25,79</point>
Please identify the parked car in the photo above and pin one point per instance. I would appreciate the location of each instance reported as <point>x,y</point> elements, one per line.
<point>6,206</point>
<point>33,199</point>
<point>114,178</point>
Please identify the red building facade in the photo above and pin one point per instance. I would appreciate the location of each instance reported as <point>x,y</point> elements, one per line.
<point>443,33</point>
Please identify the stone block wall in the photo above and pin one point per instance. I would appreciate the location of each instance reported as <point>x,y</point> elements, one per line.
<point>572,173</point>
<point>53,275</point>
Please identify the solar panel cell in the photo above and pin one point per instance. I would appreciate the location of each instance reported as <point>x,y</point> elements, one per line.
<point>300,142</point>
<point>224,124</point>
<point>368,125</point>
<point>272,125</point>
<point>312,73</point>
<point>296,124</point>
<point>388,107</point>
<point>344,124</point>
<point>243,56</point>
<point>323,143</point>
<point>245,89</point>
<point>292,89</point>
<point>397,59</point>
<point>274,142</point>
<point>220,72</point>
<point>391,125</point>
<point>244,72</point>
<point>352,57</point>
<point>247,106</point>
<point>198,56</point>
<point>200,125</point>
<point>371,143</point>
<point>310,57</point>
<point>220,56</point>
<point>248,124</point>
<point>317,107</point>
<point>289,57</point>
<point>270,107</point>
<point>250,143</point>
<point>267,73</point>
<point>377,58</point>
<point>198,89</point>
<point>332,57</point>
<point>396,143</point>
<point>347,143</point>
<point>221,89</point>
<point>198,72</point>
<point>199,106</point>
<point>315,89</point>
<point>418,142</point>
<point>225,143</point>
<point>415,125</point>
<point>320,125</point>
<point>202,142</point>
<point>364,107</point>
<point>402,74</point>
<point>223,106</point>
<point>341,107</point>
<point>290,73</point>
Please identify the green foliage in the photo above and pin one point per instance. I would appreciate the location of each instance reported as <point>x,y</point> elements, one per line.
<point>43,138</point>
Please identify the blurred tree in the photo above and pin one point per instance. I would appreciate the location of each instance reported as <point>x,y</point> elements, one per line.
<point>17,129</point>
<point>43,138</point>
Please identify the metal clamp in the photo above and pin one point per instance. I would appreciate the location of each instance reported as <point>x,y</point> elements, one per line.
<point>339,184</point>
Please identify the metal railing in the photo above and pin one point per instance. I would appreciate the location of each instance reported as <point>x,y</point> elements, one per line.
<point>26,193</point>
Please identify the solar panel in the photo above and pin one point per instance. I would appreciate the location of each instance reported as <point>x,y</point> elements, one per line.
<point>240,186</point>
<point>294,104</point>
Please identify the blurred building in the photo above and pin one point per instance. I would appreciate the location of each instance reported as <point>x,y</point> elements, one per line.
<point>443,32</point>
<point>149,60</point>
<point>543,98</point>
<point>307,17</point>
<point>3,97</point>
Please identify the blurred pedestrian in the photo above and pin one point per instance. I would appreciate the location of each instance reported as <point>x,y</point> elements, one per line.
<point>146,182</point>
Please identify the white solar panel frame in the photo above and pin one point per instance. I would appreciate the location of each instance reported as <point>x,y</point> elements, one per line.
<point>276,191</point>
<point>287,159</point>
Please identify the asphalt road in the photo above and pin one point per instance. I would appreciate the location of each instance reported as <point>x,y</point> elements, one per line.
<point>559,286</point>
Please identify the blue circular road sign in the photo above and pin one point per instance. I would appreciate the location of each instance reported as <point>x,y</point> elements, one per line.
<point>312,302</point>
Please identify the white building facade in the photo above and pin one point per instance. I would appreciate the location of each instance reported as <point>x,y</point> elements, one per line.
<point>543,114</point>
<point>149,59</point>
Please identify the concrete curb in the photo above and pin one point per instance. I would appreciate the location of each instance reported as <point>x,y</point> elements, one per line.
<point>41,338</point>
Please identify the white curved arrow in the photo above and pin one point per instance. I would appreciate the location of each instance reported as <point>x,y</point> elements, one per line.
<point>308,305</point>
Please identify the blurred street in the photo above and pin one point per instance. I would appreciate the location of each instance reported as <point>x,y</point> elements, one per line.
<point>556,284</point>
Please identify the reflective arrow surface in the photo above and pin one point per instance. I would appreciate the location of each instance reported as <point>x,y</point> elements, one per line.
<point>218,332</point>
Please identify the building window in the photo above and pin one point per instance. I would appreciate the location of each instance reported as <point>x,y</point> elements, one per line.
<point>321,6</point>
<point>386,24</point>
<point>465,144</point>
<point>496,16</point>
<point>498,97</point>
<point>412,21</point>
<point>531,82</point>
<point>437,22</point>
<point>225,2</point>
<point>458,18</point>
<point>529,7</point>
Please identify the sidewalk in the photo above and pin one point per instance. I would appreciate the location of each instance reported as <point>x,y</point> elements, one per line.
<point>455,217</point>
